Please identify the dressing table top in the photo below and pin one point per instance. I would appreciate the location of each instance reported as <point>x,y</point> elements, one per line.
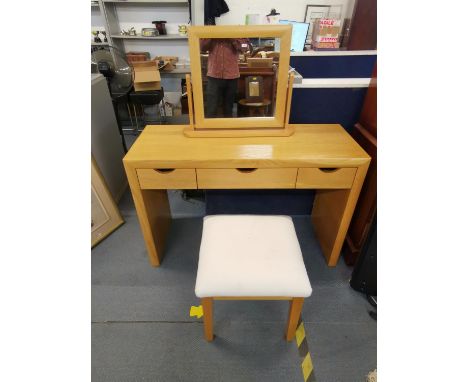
<point>320,145</point>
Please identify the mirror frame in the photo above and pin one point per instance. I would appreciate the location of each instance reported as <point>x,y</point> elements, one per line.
<point>283,32</point>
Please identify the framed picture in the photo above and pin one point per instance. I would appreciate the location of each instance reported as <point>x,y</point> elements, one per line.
<point>314,12</point>
<point>105,216</point>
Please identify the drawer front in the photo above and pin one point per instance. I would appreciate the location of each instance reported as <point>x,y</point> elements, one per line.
<point>167,178</point>
<point>247,178</point>
<point>325,177</point>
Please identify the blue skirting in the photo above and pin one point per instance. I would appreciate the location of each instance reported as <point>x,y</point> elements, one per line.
<point>334,66</point>
<point>329,105</point>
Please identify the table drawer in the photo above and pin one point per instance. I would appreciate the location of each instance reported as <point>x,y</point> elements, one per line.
<point>325,177</point>
<point>179,178</point>
<point>247,178</point>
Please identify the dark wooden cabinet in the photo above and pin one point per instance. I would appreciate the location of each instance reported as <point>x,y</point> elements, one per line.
<point>365,133</point>
<point>363,31</point>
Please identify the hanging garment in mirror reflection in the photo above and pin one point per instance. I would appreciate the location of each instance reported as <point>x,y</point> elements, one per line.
<point>222,74</point>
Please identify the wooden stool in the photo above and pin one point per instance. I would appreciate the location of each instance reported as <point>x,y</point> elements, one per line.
<point>251,257</point>
<point>256,108</point>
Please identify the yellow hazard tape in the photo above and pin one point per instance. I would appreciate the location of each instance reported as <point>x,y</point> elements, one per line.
<point>300,334</point>
<point>304,354</point>
<point>196,311</point>
<point>307,366</point>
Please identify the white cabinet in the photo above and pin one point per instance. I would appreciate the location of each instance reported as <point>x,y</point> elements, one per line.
<point>106,142</point>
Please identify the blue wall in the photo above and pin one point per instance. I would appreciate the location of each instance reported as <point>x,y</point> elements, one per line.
<point>327,105</point>
<point>330,105</point>
<point>334,66</point>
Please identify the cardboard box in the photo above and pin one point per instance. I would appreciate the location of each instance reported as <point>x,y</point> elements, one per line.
<point>168,66</point>
<point>326,28</point>
<point>169,62</point>
<point>325,45</point>
<point>147,76</point>
<point>326,34</point>
<point>327,39</point>
<point>137,56</point>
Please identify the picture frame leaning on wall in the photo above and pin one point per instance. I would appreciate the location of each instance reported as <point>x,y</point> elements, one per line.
<point>315,11</point>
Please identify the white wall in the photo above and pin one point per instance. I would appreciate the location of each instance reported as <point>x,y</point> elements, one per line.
<point>141,15</point>
<point>293,10</point>
<point>97,22</point>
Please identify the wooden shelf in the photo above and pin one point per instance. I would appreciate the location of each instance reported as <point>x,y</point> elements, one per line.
<point>140,37</point>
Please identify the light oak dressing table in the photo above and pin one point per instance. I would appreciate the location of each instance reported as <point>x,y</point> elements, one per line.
<point>322,157</point>
<point>246,153</point>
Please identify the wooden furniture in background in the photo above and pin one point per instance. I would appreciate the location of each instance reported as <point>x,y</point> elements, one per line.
<point>327,151</point>
<point>363,31</point>
<point>253,109</point>
<point>269,80</point>
<point>365,133</point>
<point>105,216</point>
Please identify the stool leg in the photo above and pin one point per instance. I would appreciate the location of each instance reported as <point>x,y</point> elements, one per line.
<point>295,309</point>
<point>207,303</point>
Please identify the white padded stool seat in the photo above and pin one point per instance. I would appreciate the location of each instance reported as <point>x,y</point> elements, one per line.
<point>250,255</point>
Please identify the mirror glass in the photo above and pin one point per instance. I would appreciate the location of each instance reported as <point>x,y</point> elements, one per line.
<point>239,76</point>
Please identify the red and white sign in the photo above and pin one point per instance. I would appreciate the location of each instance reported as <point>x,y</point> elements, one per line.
<point>326,39</point>
<point>330,22</point>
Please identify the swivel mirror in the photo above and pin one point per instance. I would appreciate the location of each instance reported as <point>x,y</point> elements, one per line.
<point>239,80</point>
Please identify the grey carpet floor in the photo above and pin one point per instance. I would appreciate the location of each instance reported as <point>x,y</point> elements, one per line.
<point>142,331</point>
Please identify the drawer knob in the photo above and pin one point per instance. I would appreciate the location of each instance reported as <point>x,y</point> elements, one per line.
<point>326,169</point>
<point>246,170</point>
<point>164,170</point>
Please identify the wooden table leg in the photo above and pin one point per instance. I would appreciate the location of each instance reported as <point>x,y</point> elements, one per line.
<point>207,304</point>
<point>332,213</point>
<point>295,308</point>
<point>154,214</point>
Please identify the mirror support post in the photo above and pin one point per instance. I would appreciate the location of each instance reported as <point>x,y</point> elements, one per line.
<point>288,101</point>
<point>188,83</point>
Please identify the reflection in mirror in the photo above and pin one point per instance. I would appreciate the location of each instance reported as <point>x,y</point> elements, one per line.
<point>239,76</point>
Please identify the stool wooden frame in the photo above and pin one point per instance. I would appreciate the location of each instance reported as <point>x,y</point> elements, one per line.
<point>295,308</point>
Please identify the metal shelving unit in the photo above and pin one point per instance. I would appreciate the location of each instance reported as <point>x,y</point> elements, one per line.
<point>109,10</point>
<point>142,12</point>
<point>94,8</point>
